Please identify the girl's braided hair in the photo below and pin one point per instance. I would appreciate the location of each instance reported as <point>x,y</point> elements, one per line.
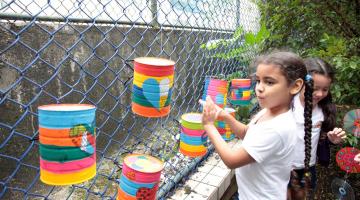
<point>308,128</point>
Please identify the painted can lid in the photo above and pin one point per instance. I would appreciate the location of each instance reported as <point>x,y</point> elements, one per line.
<point>143,163</point>
<point>154,61</point>
<point>66,107</point>
<point>192,117</point>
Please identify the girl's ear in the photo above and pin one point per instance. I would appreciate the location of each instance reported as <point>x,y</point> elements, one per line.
<point>297,86</point>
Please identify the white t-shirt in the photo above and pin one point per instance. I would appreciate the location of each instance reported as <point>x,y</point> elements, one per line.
<point>271,143</point>
<point>317,119</point>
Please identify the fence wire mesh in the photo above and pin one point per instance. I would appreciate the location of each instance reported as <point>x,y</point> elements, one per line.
<point>80,51</point>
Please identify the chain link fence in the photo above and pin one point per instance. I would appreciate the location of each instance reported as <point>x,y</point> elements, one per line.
<point>79,51</point>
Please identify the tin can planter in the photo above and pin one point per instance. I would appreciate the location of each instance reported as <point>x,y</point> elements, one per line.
<point>217,89</point>
<point>140,177</point>
<point>152,86</point>
<point>192,136</point>
<point>240,92</point>
<point>67,143</point>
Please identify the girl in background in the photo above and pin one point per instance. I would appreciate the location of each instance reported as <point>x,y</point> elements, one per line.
<point>321,132</point>
<point>263,162</point>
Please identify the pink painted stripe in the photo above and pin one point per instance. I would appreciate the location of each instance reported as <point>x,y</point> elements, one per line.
<point>217,82</point>
<point>67,167</point>
<point>191,132</point>
<point>140,177</point>
<point>217,88</point>
<point>212,92</point>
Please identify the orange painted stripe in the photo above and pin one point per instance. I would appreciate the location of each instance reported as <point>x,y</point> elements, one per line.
<point>62,133</point>
<point>54,133</point>
<point>70,141</point>
<point>192,154</point>
<point>148,111</point>
<point>121,195</point>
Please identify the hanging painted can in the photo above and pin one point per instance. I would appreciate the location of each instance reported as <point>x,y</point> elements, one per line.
<point>140,177</point>
<point>67,143</point>
<point>240,92</point>
<point>152,86</point>
<point>216,89</point>
<point>192,136</point>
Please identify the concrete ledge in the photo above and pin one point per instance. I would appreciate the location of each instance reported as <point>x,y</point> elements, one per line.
<point>211,181</point>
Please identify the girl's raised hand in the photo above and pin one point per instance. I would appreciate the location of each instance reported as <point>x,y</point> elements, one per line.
<point>357,158</point>
<point>336,136</point>
<point>210,111</point>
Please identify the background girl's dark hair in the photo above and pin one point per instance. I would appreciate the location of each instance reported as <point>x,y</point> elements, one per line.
<point>309,84</point>
<point>293,68</point>
<point>319,66</point>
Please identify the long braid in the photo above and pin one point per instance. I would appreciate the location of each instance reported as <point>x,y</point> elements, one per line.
<point>307,129</point>
<point>321,67</point>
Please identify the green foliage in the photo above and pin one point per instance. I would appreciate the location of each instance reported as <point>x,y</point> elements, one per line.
<point>352,141</point>
<point>346,89</point>
<point>326,29</point>
<point>243,112</point>
<point>242,46</point>
<point>235,75</point>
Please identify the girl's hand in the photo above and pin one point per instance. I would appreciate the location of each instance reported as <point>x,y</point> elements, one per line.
<point>357,158</point>
<point>219,113</point>
<point>210,111</point>
<point>336,136</point>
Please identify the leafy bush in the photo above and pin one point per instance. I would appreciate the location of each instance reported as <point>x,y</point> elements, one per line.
<point>243,46</point>
<point>346,89</point>
<point>325,29</point>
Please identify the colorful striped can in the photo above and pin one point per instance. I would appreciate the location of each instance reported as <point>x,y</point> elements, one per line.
<point>217,90</point>
<point>152,86</point>
<point>192,136</point>
<point>240,92</point>
<point>140,177</point>
<point>67,143</point>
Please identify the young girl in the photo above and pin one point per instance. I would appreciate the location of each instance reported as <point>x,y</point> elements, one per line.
<point>263,162</point>
<point>322,131</point>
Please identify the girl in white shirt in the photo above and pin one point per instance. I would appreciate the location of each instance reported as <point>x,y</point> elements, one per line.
<point>263,162</point>
<point>323,130</point>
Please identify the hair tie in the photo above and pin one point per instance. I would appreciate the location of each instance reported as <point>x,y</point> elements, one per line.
<point>308,77</point>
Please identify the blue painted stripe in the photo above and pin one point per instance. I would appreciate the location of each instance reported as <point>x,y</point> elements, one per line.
<point>232,136</point>
<point>132,187</point>
<point>65,119</point>
<point>191,140</point>
<point>220,124</point>
<point>149,95</point>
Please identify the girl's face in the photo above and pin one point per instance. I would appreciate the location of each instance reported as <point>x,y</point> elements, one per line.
<point>321,87</point>
<point>272,89</point>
